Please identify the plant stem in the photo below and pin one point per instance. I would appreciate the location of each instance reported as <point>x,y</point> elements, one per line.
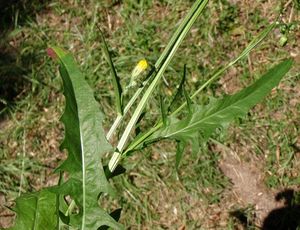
<point>190,19</point>
<point>158,63</point>
<point>120,117</point>
<point>244,53</point>
<point>70,208</point>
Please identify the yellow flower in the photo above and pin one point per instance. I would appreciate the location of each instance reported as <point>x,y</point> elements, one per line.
<point>139,68</point>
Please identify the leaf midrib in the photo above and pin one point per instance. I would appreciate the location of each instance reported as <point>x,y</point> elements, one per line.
<point>214,114</point>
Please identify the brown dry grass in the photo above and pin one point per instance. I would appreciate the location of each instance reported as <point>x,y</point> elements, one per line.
<point>173,205</point>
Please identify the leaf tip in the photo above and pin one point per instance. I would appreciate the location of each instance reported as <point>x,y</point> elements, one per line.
<point>51,53</point>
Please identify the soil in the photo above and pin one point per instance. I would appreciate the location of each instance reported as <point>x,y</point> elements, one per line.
<point>248,187</point>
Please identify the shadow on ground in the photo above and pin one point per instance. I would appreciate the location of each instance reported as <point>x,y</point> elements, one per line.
<point>14,62</point>
<point>287,217</point>
<point>284,218</point>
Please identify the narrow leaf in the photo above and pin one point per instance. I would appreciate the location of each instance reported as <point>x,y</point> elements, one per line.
<point>188,101</point>
<point>167,51</point>
<point>163,110</point>
<point>118,171</point>
<point>262,35</point>
<point>183,25</point>
<point>115,78</point>
<point>179,91</point>
<point>64,219</point>
<point>189,20</point>
<point>135,144</point>
<point>207,118</point>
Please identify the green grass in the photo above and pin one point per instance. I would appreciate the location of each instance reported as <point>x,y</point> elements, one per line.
<point>152,194</point>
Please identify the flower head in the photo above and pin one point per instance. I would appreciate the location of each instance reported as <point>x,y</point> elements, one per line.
<point>139,68</point>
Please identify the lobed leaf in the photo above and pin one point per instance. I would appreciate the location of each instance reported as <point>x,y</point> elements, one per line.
<point>86,143</point>
<point>205,119</point>
<point>141,140</point>
<point>36,211</point>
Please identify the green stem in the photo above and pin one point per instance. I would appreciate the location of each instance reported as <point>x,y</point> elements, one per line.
<point>199,6</point>
<point>70,208</point>
<point>244,53</point>
<point>120,117</point>
<point>157,65</point>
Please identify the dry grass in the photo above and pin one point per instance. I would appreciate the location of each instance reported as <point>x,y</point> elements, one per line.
<point>266,145</point>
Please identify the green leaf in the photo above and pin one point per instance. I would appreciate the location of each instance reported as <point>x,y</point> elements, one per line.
<point>258,39</point>
<point>36,211</point>
<point>188,101</point>
<point>179,92</point>
<point>165,60</point>
<point>116,214</point>
<point>140,140</point>
<point>86,143</point>
<point>206,119</point>
<point>115,78</point>
<point>163,110</point>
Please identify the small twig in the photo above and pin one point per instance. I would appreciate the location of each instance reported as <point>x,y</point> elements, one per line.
<point>250,64</point>
<point>287,4</point>
<point>291,14</point>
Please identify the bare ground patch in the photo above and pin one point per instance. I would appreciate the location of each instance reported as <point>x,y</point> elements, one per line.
<point>248,187</point>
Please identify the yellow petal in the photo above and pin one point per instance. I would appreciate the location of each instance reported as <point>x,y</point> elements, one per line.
<point>139,68</point>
